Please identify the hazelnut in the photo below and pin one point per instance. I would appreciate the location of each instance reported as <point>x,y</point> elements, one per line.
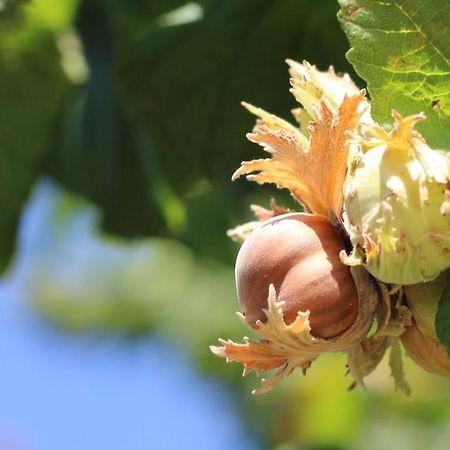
<point>299,254</point>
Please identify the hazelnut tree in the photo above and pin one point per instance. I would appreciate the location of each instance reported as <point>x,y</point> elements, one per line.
<point>142,119</point>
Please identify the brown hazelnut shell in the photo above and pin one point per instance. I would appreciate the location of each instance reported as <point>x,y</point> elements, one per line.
<point>299,254</point>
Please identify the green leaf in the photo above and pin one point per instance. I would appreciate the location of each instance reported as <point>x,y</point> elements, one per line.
<point>401,48</point>
<point>32,85</point>
<point>443,316</point>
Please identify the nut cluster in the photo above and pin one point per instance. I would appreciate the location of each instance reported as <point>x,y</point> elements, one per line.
<point>371,247</point>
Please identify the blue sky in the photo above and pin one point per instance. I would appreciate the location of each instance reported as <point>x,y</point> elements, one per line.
<point>72,392</point>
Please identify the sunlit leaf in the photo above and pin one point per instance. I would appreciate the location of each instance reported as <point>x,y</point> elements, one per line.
<point>402,50</point>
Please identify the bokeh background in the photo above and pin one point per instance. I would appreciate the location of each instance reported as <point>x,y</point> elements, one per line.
<point>120,126</point>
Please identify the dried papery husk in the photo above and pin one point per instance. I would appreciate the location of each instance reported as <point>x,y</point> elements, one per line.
<point>311,160</point>
<point>311,87</point>
<point>392,318</point>
<point>425,351</point>
<point>423,301</point>
<point>395,204</point>
<point>392,314</point>
<point>263,214</point>
<point>420,339</point>
<point>364,358</point>
<point>287,347</point>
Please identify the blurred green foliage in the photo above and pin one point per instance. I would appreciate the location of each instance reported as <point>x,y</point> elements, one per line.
<point>32,88</point>
<point>134,106</point>
<point>95,285</point>
<point>130,288</point>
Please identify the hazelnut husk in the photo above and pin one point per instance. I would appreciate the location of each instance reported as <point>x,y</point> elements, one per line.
<point>420,339</point>
<point>298,296</point>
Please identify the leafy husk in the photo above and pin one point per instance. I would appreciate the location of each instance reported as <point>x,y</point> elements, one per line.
<point>310,161</point>
<point>286,347</point>
<point>395,204</point>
